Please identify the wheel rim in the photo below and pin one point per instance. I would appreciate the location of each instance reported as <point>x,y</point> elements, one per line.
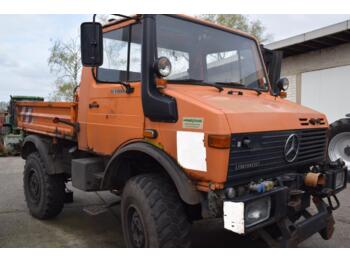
<point>339,147</point>
<point>34,186</point>
<point>136,230</point>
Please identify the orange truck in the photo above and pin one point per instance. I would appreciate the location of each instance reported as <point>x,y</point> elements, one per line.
<point>183,119</point>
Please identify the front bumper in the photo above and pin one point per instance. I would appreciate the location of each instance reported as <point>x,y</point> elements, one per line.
<point>283,222</point>
<point>234,211</point>
<point>291,234</point>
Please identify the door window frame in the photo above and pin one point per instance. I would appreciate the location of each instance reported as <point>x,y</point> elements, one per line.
<point>96,69</point>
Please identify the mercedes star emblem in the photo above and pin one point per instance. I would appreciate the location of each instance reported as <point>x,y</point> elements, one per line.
<point>291,148</point>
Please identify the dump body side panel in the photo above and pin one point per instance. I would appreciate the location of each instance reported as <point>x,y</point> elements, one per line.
<point>38,117</point>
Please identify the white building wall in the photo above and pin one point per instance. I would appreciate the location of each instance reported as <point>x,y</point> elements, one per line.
<point>294,66</point>
<point>292,90</point>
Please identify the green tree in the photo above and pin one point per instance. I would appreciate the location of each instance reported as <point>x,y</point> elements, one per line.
<point>241,22</point>
<point>64,62</point>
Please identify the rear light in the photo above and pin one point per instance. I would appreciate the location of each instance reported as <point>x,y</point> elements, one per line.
<point>219,141</point>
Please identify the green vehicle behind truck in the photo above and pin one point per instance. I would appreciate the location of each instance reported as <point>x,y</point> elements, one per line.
<point>11,136</point>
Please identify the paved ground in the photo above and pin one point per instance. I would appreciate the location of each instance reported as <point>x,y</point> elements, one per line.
<point>75,228</point>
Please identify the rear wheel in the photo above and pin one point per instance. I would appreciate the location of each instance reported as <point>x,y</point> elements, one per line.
<point>44,193</point>
<point>339,141</point>
<point>153,214</point>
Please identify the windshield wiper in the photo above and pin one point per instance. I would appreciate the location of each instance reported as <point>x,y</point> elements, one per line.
<point>230,84</point>
<point>237,85</point>
<point>196,82</point>
<point>187,80</point>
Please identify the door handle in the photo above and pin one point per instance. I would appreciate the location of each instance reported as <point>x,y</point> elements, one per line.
<point>94,105</point>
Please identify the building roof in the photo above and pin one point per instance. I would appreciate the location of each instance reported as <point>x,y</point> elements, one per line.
<point>329,36</point>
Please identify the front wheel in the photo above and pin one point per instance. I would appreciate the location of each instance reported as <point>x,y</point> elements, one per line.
<point>153,215</point>
<point>44,193</point>
<point>339,141</point>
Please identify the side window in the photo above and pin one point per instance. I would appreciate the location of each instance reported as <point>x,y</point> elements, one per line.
<point>120,63</point>
<point>135,62</point>
<point>135,53</point>
<point>115,56</point>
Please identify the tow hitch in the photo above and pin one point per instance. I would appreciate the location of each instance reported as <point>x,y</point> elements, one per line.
<point>321,183</point>
<point>291,234</point>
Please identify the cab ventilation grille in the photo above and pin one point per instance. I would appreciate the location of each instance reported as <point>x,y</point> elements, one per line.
<point>311,121</point>
<point>304,121</point>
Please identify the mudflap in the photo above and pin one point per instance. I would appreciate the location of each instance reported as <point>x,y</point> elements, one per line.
<point>292,233</point>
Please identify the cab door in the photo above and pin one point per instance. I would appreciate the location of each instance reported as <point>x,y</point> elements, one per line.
<point>115,113</point>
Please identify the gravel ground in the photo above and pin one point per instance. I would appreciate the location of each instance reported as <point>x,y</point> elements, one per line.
<point>76,228</point>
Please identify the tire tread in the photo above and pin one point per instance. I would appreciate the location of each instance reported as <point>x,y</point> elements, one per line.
<point>166,208</point>
<point>54,186</point>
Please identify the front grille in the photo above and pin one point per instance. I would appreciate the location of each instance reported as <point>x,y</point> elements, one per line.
<point>263,154</point>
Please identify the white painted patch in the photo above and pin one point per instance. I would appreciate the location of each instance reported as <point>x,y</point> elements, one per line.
<point>234,216</point>
<point>191,151</point>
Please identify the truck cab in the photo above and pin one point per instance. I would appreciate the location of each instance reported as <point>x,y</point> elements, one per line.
<point>180,117</point>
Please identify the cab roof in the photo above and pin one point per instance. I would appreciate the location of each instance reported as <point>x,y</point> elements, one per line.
<point>189,18</point>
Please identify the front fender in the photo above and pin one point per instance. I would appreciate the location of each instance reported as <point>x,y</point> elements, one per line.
<point>183,184</point>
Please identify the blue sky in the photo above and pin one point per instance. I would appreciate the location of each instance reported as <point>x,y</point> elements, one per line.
<point>25,41</point>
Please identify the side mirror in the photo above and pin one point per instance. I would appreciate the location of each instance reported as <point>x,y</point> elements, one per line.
<point>91,44</point>
<point>273,62</point>
<point>281,87</point>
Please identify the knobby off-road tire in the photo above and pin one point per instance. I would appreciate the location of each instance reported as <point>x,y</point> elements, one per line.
<point>44,193</point>
<point>339,140</point>
<point>153,214</point>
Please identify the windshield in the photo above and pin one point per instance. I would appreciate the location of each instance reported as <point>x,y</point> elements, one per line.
<point>202,53</point>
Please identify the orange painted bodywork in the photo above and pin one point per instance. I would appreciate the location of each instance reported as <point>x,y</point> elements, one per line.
<point>227,114</point>
<point>2,118</point>
<point>119,118</point>
<point>37,117</point>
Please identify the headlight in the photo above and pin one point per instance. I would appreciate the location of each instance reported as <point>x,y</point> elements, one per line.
<point>339,179</point>
<point>162,66</point>
<point>257,211</point>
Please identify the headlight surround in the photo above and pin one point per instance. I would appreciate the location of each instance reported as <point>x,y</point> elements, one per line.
<point>340,179</point>
<point>257,211</point>
<point>336,177</point>
<point>241,216</point>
